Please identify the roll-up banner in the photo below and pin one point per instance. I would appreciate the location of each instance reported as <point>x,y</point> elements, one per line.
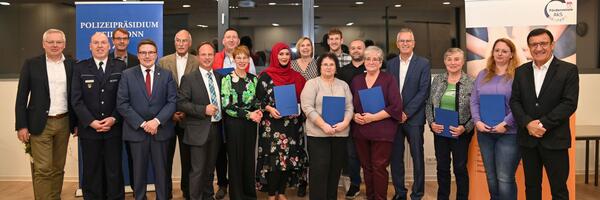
<point>143,20</point>
<point>488,20</point>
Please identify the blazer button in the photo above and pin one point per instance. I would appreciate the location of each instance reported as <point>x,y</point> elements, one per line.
<point>102,102</point>
<point>102,90</point>
<point>46,112</point>
<point>536,104</point>
<point>102,114</point>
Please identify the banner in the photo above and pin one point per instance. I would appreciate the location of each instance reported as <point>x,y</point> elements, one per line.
<point>143,20</point>
<point>488,20</point>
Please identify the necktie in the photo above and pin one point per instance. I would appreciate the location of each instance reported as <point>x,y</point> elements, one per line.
<point>100,68</point>
<point>148,83</point>
<point>213,95</point>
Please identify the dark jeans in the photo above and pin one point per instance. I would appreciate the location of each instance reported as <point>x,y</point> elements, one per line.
<point>459,148</point>
<point>352,169</point>
<point>500,154</point>
<point>414,136</point>
<point>556,163</point>
<point>327,157</point>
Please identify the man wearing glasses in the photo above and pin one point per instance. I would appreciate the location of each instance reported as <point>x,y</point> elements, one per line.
<point>120,40</point>
<point>146,99</point>
<point>544,96</point>
<point>43,113</point>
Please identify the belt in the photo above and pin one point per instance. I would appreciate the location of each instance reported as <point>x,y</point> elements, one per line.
<point>59,116</point>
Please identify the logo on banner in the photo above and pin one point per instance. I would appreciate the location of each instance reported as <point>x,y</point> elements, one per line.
<point>557,10</point>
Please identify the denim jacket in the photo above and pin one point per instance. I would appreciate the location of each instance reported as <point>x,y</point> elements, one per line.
<point>463,90</point>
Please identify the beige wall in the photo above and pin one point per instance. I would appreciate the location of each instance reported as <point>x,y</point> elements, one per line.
<point>14,165</point>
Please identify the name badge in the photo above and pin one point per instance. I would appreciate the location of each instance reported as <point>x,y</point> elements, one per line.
<point>113,80</point>
<point>89,81</point>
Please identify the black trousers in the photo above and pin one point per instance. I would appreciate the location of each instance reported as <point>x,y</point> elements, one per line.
<point>203,159</point>
<point>184,155</point>
<point>277,181</point>
<point>221,166</point>
<point>241,147</point>
<point>556,163</point>
<point>328,155</point>
<point>149,150</point>
<point>102,172</point>
<point>459,148</point>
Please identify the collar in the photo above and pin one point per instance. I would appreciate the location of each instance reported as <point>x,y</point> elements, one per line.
<point>103,61</point>
<point>545,65</point>
<point>409,58</point>
<point>204,71</point>
<point>144,68</point>
<point>116,56</point>
<point>62,59</point>
<point>181,57</point>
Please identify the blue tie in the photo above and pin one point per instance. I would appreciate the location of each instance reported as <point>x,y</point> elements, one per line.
<point>213,96</point>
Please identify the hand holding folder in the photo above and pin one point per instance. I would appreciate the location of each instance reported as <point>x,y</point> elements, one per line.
<point>371,99</point>
<point>285,100</point>
<point>446,118</point>
<point>333,109</point>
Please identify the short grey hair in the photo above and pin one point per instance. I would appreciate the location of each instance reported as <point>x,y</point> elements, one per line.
<point>183,30</point>
<point>375,49</point>
<point>405,30</point>
<point>52,30</point>
<point>453,50</point>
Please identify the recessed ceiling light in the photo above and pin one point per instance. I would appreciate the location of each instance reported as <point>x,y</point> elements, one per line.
<point>350,24</point>
<point>275,24</point>
<point>446,3</point>
<point>316,6</point>
<point>186,5</point>
<point>397,5</point>
<point>4,3</point>
<point>272,3</point>
<point>202,26</point>
<point>359,3</point>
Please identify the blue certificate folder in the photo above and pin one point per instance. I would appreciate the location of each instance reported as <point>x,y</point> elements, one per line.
<point>333,109</point>
<point>447,118</point>
<point>285,100</point>
<point>492,109</point>
<point>371,99</point>
<point>225,71</point>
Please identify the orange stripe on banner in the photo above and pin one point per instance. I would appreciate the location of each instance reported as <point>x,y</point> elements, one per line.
<point>477,178</point>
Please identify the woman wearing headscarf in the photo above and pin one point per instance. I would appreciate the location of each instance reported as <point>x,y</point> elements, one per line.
<point>281,155</point>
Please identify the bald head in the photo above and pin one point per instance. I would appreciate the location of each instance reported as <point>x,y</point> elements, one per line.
<point>183,42</point>
<point>99,46</point>
<point>357,50</point>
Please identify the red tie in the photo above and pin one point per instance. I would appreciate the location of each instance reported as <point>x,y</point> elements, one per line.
<point>148,83</point>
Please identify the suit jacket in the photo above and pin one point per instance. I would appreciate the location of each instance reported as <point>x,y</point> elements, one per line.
<point>554,105</point>
<point>416,87</point>
<point>192,100</point>
<point>94,96</point>
<point>132,60</point>
<point>33,95</point>
<point>170,62</point>
<point>136,107</point>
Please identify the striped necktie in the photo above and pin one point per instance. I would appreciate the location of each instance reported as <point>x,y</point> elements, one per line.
<point>213,95</point>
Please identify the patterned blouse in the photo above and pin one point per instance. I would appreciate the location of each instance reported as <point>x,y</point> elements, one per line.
<point>311,69</point>
<point>238,95</point>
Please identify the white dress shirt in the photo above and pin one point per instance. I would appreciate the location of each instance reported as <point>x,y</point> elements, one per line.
<point>217,90</point>
<point>181,64</point>
<point>404,64</point>
<point>229,62</point>
<point>103,63</point>
<point>539,73</point>
<point>57,83</point>
<point>151,75</point>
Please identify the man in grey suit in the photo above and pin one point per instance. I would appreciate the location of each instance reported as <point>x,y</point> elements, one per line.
<point>199,99</point>
<point>146,99</point>
<point>414,79</point>
<point>179,63</point>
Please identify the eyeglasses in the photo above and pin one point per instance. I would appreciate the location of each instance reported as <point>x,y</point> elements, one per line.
<point>405,41</point>
<point>146,53</point>
<point>121,38</point>
<point>55,42</point>
<point>372,60</point>
<point>539,44</point>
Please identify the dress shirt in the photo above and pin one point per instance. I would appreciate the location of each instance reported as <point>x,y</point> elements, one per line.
<point>181,63</point>
<point>204,73</point>
<point>57,82</point>
<point>151,75</point>
<point>539,73</point>
<point>103,63</point>
<point>404,64</point>
<point>229,62</point>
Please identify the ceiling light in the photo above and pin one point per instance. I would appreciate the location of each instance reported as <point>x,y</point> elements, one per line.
<point>446,3</point>
<point>397,5</point>
<point>275,24</point>
<point>315,6</point>
<point>296,4</point>
<point>186,5</point>
<point>272,3</point>
<point>202,26</point>
<point>359,3</point>
<point>350,24</point>
<point>4,3</point>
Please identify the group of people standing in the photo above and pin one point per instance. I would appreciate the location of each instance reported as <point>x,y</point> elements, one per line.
<point>111,97</point>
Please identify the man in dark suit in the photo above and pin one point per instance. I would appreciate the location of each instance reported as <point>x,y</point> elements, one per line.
<point>42,113</point>
<point>146,99</point>
<point>120,39</point>
<point>94,98</point>
<point>179,63</point>
<point>414,79</point>
<point>199,99</point>
<point>544,96</point>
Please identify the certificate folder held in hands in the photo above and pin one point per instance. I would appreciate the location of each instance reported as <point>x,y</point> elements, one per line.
<point>446,118</point>
<point>225,71</point>
<point>333,109</point>
<point>285,100</point>
<point>492,109</point>
<point>371,100</point>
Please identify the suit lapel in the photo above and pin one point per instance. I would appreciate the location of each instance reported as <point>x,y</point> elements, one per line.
<point>156,81</point>
<point>44,71</point>
<point>202,85</point>
<point>548,78</point>
<point>189,65</point>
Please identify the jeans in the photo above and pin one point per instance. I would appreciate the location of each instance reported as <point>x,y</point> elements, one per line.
<point>501,155</point>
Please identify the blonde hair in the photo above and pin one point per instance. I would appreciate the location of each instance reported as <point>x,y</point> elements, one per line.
<point>512,64</point>
<point>299,43</point>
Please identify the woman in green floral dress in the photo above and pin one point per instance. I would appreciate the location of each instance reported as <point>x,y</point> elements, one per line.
<point>281,155</point>
<point>238,91</point>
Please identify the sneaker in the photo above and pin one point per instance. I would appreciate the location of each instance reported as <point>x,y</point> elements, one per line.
<point>221,193</point>
<point>353,192</point>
